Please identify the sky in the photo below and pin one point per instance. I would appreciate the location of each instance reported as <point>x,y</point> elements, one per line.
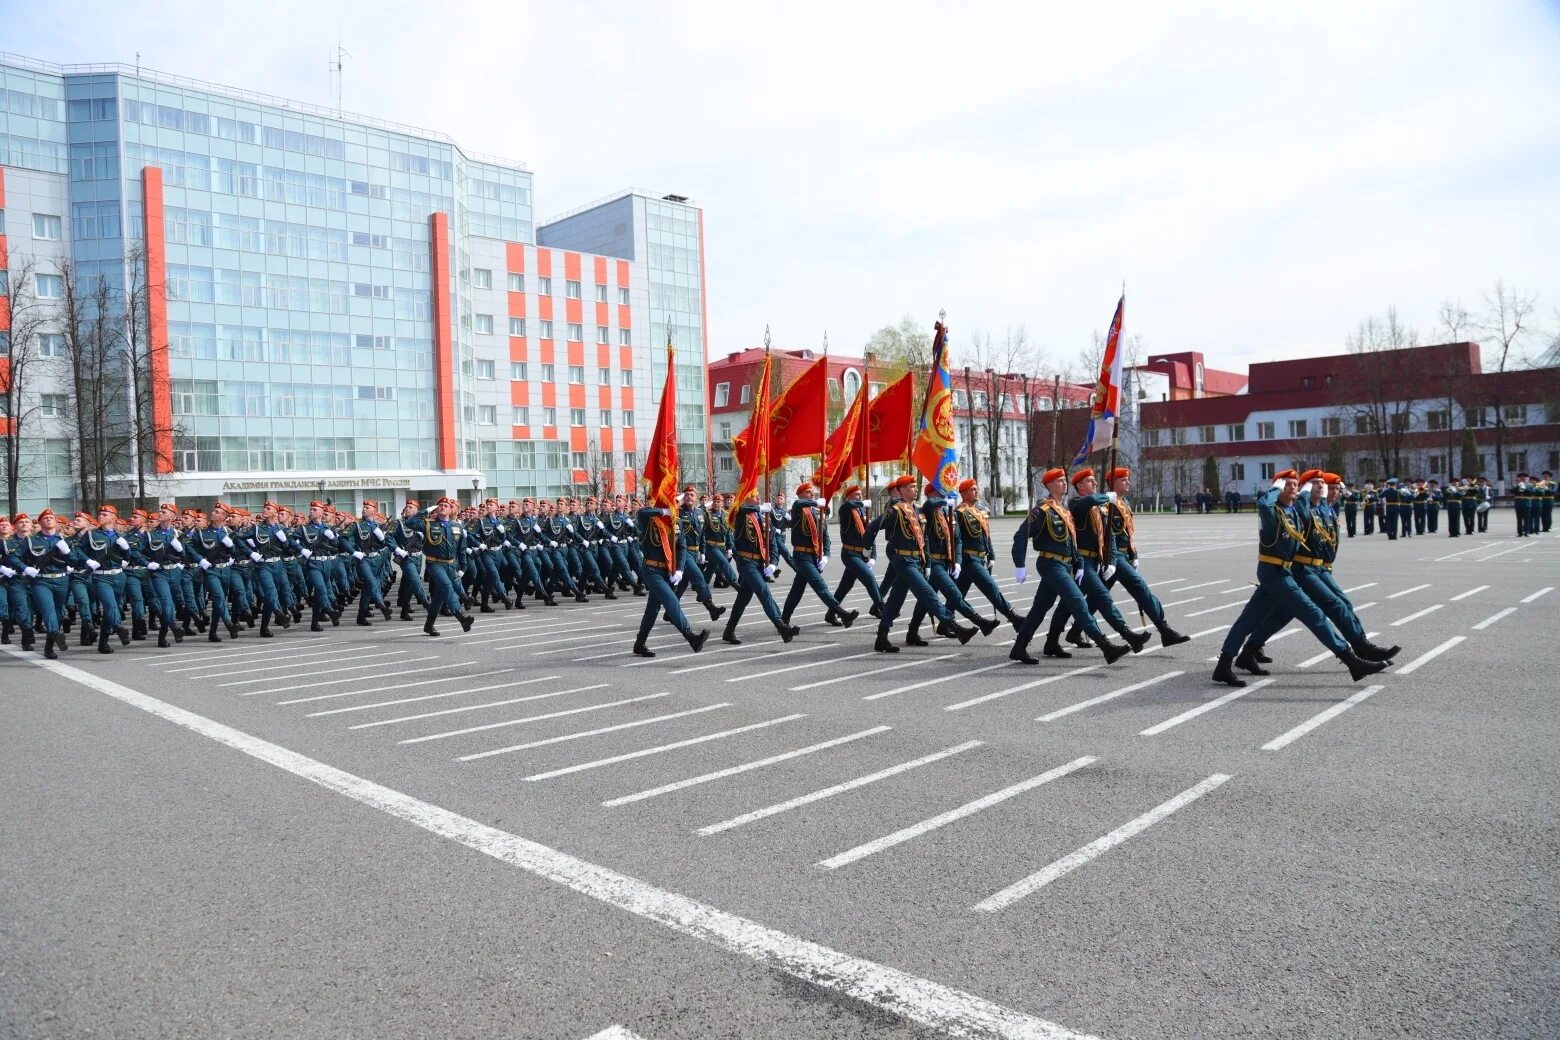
<point>1260,177</point>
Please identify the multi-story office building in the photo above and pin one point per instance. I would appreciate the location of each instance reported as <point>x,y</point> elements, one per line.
<point>333,303</point>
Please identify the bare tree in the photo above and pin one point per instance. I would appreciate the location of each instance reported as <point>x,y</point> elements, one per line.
<point>1003,363</point>
<point>88,316</point>
<point>908,344</point>
<point>136,350</point>
<point>1506,326</point>
<point>21,365</point>
<point>1379,393</point>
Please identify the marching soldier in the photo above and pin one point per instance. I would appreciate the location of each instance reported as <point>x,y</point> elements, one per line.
<point>978,554</point>
<point>660,541</point>
<point>1418,505</point>
<point>751,533</point>
<point>690,521</point>
<point>1122,539</point>
<point>1096,561</point>
<point>103,550</point>
<point>212,550</point>
<point>1451,498</point>
<point>779,524</point>
<point>17,610</point>
<point>717,540</point>
<point>942,568</point>
<point>1472,498</point>
<point>906,549</point>
<point>809,556</point>
<point>42,557</point>
<point>1434,494</point>
<point>1372,503</point>
<point>1546,504</point>
<point>1351,508</point>
<point>444,549</point>
<point>858,554</point>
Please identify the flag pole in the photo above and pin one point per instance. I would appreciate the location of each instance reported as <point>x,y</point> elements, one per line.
<point>1115,424</point>
<point>866,418</point>
<point>824,418</point>
<point>767,379</point>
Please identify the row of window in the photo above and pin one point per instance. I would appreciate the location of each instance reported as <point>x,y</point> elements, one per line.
<point>291,346</point>
<point>1334,426</point>
<point>282,238</point>
<point>292,400</point>
<point>482,278</point>
<point>482,325</point>
<point>191,284</point>
<point>520,371</point>
<point>491,456</point>
<point>521,415</point>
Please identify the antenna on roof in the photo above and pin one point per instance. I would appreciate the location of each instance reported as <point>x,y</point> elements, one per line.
<point>337,70</point>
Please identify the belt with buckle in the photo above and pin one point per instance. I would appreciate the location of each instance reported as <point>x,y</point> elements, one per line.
<point>1274,560</point>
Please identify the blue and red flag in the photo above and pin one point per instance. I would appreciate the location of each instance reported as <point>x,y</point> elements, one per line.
<point>1102,416</point>
<point>933,451</point>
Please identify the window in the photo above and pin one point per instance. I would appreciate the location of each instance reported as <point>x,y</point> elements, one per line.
<point>1208,435</point>
<point>1515,414</point>
<point>1401,421</point>
<point>1177,435</point>
<point>959,400</point>
<point>487,415</point>
<point>486,370</point>
<point>1308,383</point>
<point>1516,462</point>
<point>601,294</point>
<point>46,227</point>
<point>484,324</point>
<point>603,334</point>
<point>631,460</point>
<point>1264,431</point>
<point>520,415</point>
<point>628,417</point>
<point>1297,428</point>
<point>623,295</point>
<point>606,418</point>
<point>517,326</point>
<point>482,278</point>
<point>1437,420</point>
<point>576,332</point>
<point>1438,464</point>
<point>1153,438</point>
<point>517,371</point>
<point>572,288</point>
<point>51,405</point>
<point>1475,417</point>
<point>51,345</point>
<point>1268,469</point>
<point>746,395</point>
<point>576,417</point>
<point>726,465</point>
<point>603,377</point>
<point>517,283</point>
<point>578,459</point>
<point>49,286</point>
<point>625,377</point>
<point>545,331</point>
<point>625,337</point>
<point>550,416</point>
<point>725,431</point>
<point>722,394</point>
<point>549,372</point>
<point>544,286</point>
<point>1237,471</point>
<point>1332,427</point>
<point>577,373</point>
<point>1235,432</point>
<point>1361,424</point>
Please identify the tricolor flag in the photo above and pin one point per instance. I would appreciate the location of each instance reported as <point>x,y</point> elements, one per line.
<point>1102,416</point>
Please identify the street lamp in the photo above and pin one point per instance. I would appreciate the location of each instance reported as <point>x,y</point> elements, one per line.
<point>475,483</point>
<point>321,486</point>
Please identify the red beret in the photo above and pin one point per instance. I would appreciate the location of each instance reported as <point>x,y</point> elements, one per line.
<point>413,503</point>
<point>1310,474</point>
<point>802,490</point>
<point>1332,478</point>
<point>1286,474</point>
<point>108,508</point>
<point>1118,473</point>
<point>19,517</point>
<point>1055,473</point>
<point>968,485</point>
<point>270,505</point>
<point>1083,473</point>
<point>899,482</point>
<point>854,489</point>
<point>316,504</point>
<point>169,507</point>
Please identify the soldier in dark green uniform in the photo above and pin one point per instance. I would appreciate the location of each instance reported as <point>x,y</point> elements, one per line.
<point>1351,508</point>
<point>1451,499</point>
<point>751,531</point>
<point>660,540</point>
<point>906,549</point>
<point>977,554</point>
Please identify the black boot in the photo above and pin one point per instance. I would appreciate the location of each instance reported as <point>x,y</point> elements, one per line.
<point>1112,651</point>
<point>88,637</point>
<point>954,630</point>
<point>883,646</point>
<point>123,634</point>
<point>1248,663</point>
<point>162,635</point>
<point>639,590</point>
<point>913,638</point>
<point>138,628</point>
<point>428,625</point>
<point>102,641</point>
<point>28,636</point>
<point>362,619</point>
<point>1224,673</point>
<point>265,624</point>
<point>1016,619</point>
<point>318,615</point>
<point>610,594</point>
<point>5,632</point>
<point>1053,648</point>
<point>1259,656</point>
<point>831,620</point>
<point>988,625</point>
<point>847,617</point>
<point>283,618</point>
<point>1137,641</point>
<point>1371,652</point>
<point>875,610</point>
<point>1075,637</point>
<point>1359,668</point>
<point>715,612</point>
<point>49,640</point>
<point>579,596</point>
<point>465,622</point>
<point>730,636</point>
<point>641,650</point>
<point>787,633</point>
<point>696,639</point>
<point>1170,637</point>
<point>232,627</point>
<point>211,635</point>
<point>1020,653</point>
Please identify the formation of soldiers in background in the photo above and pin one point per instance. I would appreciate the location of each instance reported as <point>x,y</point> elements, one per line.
<point>1413,507</point>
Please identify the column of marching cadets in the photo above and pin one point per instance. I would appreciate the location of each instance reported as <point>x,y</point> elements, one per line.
<point>176,573</point>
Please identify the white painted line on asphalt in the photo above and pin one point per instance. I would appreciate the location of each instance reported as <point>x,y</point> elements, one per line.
<point>1491,556</point>
<point>1102,698</point>
<point>1487,622</point>
<point>1202,585</point>
<point>1356,588</point>
<point>358,693</point>
<point>797,667</point>
<point>178,656</point>
<point>598,763</point>
<point>673,659</point>
<point>1211,610</point>
<point>961,705</point>
<point>1540,592</point>
<point>1406,591</point>
<point>1316,720</point>
<point>763,657</point>
<point>915,830</point>
<point>479,707</point>
<point>1470,592</point>
<point>720,774</point>
<point>251,670</point>
<point>1460,552</point>
<point>1428,655</point>
<point>830,792</point>
<point>1217,702</point>
<point>437,696</point>
<point>938,681</point>
<point>538,629</point>
<point>940,1007</point>
<point>914,662</point>
<point>532,718</point>
<point>658,643</point>
<point>1364,606</point>
<point>1325,654</point>
<point>231,655</point>
<point>326,671</point>
<point>1182,602</point>
<point>1195,635</point>
<point>582,734</point>
<point>1071,862</point>
<point>615,1033</point>
<point>556,649</point>
<point>1416,615</point>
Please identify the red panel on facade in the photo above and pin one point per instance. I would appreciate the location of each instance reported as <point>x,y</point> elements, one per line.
<point>519,349</point>
<point>628,439</point>
<point>520,433</point>
<point>548,354</point>
<point>628,398</point>
<point>571,266</point>
<point>603,356</point>
<point>625,316</point>
<point>622,274</point>
<point>604,397</point>
<point>574,311</point>
<point>544,263</point>
<point>517,305</point>
<point>577,439</point>
<point>603,313</point>
<point>601,270</point>
<point>576,396</point>
<point>606,438</point>
<point>626,358</point>
<point>519,393</point>
<point>157,319</point>
<point>549,394</point>
<point>514,257</point>
<point>544,308</point>
<point>576,353</point>
<point>443,345</point>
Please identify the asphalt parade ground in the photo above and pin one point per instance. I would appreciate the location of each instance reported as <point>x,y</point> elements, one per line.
<point>527,832</point>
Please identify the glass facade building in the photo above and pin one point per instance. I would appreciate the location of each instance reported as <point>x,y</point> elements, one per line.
<point>347,303</point>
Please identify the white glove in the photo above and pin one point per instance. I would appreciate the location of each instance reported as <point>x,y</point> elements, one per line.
<point>1111,495</point>
<point>702,560</point>
<point>823,562</point>
<point>704,502</point>
<point>227,540</point>
<point>358,554</point>
<point>253,556</point>
<point>1305,489</point>
<point>62,548</point>
<point>1078,575</point>
<point>308,554</point>
<point>379,533</point>
<point>677,578</point>
<point>93,565</point>
<point>569,526</point>
<point>6,571</point>
<point>616,540</point>
<point>205,565</point>
<point>766,507</point>
<point>552,545</point>
<point>600,526</point>
<point>956,572</point>
<point>508,544</point>
<point>154,566</point>
<point>872,565</point>
<point>666,512</point>
<point>402,553</point>
<point>178,546</point>
<point>70,570</point>
<point>1279,483</point>
<point>769,570</point>
<point>120,541</point>
<point>31,572</point>
<point>1107,572</point>
<point>330,534</point>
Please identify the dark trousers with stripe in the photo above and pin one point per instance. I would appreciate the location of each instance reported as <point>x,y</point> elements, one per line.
<point>906,577</point>
<point>751,585</point>
<point>1058,588</point>
<point>857,571</point>
<point>1277,590</point>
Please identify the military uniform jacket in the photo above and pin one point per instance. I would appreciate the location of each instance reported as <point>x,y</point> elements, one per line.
<point>589,531</point>
<point>857,533</point>
<point>1049,528</point>
<point>942,533</point>
<point>443,540</point>
<point>269,540</point>
<point>651,545</point>
<point>1122,533</point>
<point>38,550</point>
<point>974,532</point>
<point>809,528</point>
<point>311,536</point>
<point>157,546</point>
<point>902,532</point>
<point>103,549</point>
<point>558,528</point>
<point>690,520</point>
<point>619,526</point>
<point>1318,531</point>
<point>1089,523</point>
<point>717,535</point>
<point>751,533</point>
<point>1350,500</point>
<point>1280,534</point>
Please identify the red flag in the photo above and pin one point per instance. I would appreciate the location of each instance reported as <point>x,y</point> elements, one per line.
<point>661,465</point>
<point>844,450</point>
<point>887,437</point>
<point>799,415</point>
<point>752,444</point>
